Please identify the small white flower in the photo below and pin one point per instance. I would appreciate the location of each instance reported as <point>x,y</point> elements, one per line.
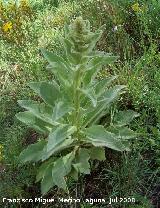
<point>115,28</point>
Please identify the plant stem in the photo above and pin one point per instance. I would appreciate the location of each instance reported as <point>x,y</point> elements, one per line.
<point>76,99</point>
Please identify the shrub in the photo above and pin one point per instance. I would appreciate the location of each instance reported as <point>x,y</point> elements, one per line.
<point>12,18</point>
<point>74,103</point>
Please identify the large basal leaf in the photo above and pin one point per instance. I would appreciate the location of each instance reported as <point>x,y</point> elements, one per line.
<point>58,174</point>
<point>98,136</point>
<point>97,153</point>
<point>31,120</point>
<point>81,163</point>
<point>74,173</point>
<point>122,132</point>
<point>59,135</point>
<point>47,180</point>
<point>42,169</point>
<point>61,168</point>
<point>123,118</point>
<point>58,148</point>
<point>60,109</point>
<point>53,172</point>
<point>33,152</point>
<point>40,110</point>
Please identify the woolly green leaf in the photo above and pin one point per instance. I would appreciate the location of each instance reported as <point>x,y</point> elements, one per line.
<point>122,132</point>
<point>58,174</point>
<point>123,118</point>
<point>98,136</point>
<point>111,94</point>
<point>91,95</point>
<point>55,60</point>
<point>58,148</point>
<point>35,86</point>
<point>81,164</point>
<point>55,172</point>
<point>33,152</point>
<point>60,109</point>
<point>90,74</point>
<point>92,116</point>
<point>40,110</point>
<point>63,76</point>
<point>101,85</point>
<point>42,169</point>
<point>60,68</point>
<point>95,65</point>
<point>68,45</point>
<point>59,135</point>
<point>97,153</point>
<point>49,93</point>
<point>31,120</point>
<point>61,168</point>
<point>74,174</point>
<point>68,94</point>
<point>94,37</point>
<point>102,59</point>
<point>47,181</point>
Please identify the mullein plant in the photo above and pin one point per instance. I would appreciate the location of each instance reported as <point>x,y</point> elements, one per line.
<point>70,110</point>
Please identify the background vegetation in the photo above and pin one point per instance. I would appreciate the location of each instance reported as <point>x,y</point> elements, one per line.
<point>132,31</point>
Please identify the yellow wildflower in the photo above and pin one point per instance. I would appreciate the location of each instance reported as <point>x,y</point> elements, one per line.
<point>136,7</point>
<point>7,26</point>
